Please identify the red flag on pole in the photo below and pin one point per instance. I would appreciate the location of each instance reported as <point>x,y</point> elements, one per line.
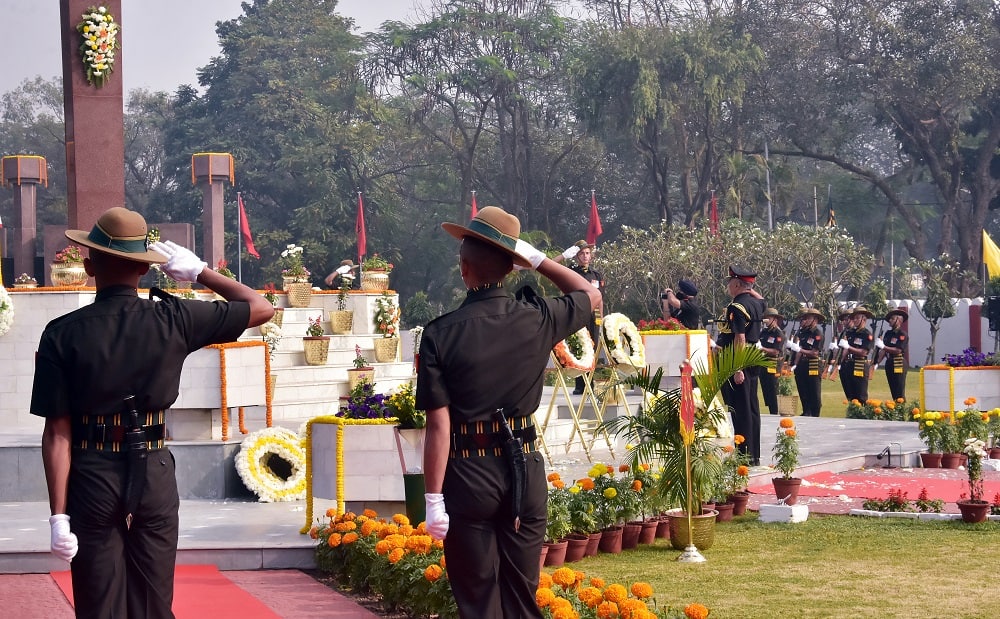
<point>475,211</point>
<point>687,404</point>
<point>594,229</point>
<point>245,228</point>
<point>359,229</point>
<point>713,217</point>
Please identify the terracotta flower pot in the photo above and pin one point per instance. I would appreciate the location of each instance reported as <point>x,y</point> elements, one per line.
<point>663,528</point>
<point>994,453</point>
<point>576,547</point>
<point>630,536</point>
<point>611,539</point>
<point>974,511</point>
<point>787,488</point>
<point>725,511</point>
<point>648,534</point>
<point>593,543</point>
<point>542,556</point>
<point>930,460</point>
<point>739,501</point>
<point>556,555</point>
<point>951,460</point>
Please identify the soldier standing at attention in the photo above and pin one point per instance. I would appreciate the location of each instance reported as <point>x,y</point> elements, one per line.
<point>740,326</point>
<point>856,343</point>
<point>808,351</point>
<point>772,343</point>
<point>892,347</point>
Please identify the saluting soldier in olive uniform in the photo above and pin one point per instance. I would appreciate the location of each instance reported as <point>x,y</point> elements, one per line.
<point>772,343</point>
<point>857,342</point>
<point>892,347</point>
<point>740,326</point>
<point>490,354</point>
<point>583,253</point>
<point>808,351</point>
<point>108,471</point>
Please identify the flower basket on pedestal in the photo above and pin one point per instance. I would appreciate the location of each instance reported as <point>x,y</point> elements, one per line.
<point>386,349</point>
<point>279,316</point>
<point>316,349</point>
<point>299,294</point>
<point>341,321</point>
<point>356,375</point>
<point>788,405</point>
<point>68,274</point>
<point>374,281</point>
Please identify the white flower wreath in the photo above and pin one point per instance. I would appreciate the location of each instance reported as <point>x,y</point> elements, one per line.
<point>586,361</point>
<point>253,463</point>
<point>6,311</point>
<point>624,342</point>
<point>99,42</point>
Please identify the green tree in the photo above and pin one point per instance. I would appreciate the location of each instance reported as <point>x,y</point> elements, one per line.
<point>933,282</point>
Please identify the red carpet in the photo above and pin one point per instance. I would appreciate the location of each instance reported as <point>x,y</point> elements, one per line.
<point>199,591</point>
<point>945,484</point>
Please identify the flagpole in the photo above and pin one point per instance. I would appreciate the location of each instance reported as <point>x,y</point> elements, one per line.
<point>815,210</point>
<point>767,176</point>
<point>239,240</point>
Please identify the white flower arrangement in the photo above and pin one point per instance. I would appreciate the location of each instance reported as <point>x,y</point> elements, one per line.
<point>6,311</point>
<point>624,342</point>
<point>99,33</point>
<point>294,267</point>
<point>271,334</point>
<point>417,333</point>
<point>253,464</point>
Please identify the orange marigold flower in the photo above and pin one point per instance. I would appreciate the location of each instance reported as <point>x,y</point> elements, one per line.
<point>369,526</point>
<point>696,611</point>
<point>739,439</point>
<point>985,417</point>
<point>400,519</point>
<point>370,513</point>
<point>382,547</point>
<point>334,540</point>
<point>645,466</point>
<point>970,401</point>
<point>331,513</point>
<point>616,593</point>
<point>314,532</point>
<point>790,432</point>
<point>579,578</point>
<point>786,422</point>
<point>900,400</point>
<point>623,468</point>
<point>607,610</point>
<point>349,516</point>
<point>564,577</point>
<point>396,554</point>
<point>552,477</point>
<point>442,562</point>
<point>631,608</point>
<point>560,605</point>
<point>586,483</point>
<point>544,597</point>
<point>558,484</point>
<point>565,612</point>
<point>637,485</point>
<point>728,449</point>
<point>591,596</point>
<point>433,572</point>
<point>350,538</point>
<point>877,410</point>
<point>545,580</point>
<point>597,582</point>
<point>742,470</point>
<point>642,590</point>
<point>406,530</point>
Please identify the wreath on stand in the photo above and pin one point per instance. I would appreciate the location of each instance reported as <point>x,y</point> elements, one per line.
<point>576,352</point>
<point>272,464</point>
<point>99,33</point>
<point>624,343</point>
<point>6,311</point>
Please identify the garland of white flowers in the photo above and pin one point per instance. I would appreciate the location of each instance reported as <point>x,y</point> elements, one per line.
<point>619,333</point>
<point>586,361</point>
<point>6,311</point>
<point>253,464</point>
<point>99,32</point>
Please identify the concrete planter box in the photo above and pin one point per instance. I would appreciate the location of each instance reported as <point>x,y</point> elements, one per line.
<point>944,388</point>
<point>669,350</point>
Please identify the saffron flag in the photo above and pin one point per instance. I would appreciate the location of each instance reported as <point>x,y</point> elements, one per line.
<point>245,228</point>
<point>687,404</point>
<point>594,229</point>
<point>359,229</point>
<point>475,211</point>
<point>713,216</point>
<point>831,218</point>
<point>991,255</point>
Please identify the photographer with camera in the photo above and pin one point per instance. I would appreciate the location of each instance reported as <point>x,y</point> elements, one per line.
<point>682,305</point>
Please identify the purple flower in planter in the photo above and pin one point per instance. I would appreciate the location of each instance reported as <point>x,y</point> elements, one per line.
<point>969,357</point>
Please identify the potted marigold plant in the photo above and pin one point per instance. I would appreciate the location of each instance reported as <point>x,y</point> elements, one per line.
<point>929,427</point>
<point>786,459</point>
<point>315,344</point>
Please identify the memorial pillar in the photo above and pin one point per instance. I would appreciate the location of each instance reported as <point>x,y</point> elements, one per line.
<point>23,173</point>
<point>210,171</point>
<point>95,129</point>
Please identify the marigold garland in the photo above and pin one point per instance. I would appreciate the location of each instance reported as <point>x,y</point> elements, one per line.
<point>617,328</point>
<point>252,465</point>
<point>586,362</point>
<point>223,404</point>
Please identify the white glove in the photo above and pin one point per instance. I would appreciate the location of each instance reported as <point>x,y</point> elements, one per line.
<point>529,253</point>
<point>843,344</point>
<point>343,270</point>
<point>714,345</point>
<point>570,252</point>
<point>792,346</point>
<point>436,518</point>
<point>759,346</point>
<point>879,343</point>
<point>64,543</point>
<point>833,346</point>
<point>183,265</point>
<point>792,369</point>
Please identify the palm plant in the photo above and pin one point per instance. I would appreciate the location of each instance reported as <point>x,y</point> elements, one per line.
<point>654,432</point>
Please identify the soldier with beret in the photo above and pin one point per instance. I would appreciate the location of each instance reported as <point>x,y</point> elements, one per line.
<point>489,355</point>
<point>740,326</point>
<point>682,305</point>
<point>583,253</point>
<point>772,344</point>
<point>104,376</point>
<point>856,343</point>
<point>892,348</point>
<point>807,370</point>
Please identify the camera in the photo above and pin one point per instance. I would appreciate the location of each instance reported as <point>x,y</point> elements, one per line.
<point>664,296</point>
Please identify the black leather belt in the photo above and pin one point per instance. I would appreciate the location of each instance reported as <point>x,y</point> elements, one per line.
<point>107,433</point>
<point>489,440</point>
<point>101,433</point>
<point>484,438</point>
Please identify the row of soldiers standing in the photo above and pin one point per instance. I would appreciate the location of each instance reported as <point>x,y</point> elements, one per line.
<point>853,354</point>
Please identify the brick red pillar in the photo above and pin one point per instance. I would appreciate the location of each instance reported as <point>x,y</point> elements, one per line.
<point>210,171</point>
<point>95,133</point>
<point>23,174</point>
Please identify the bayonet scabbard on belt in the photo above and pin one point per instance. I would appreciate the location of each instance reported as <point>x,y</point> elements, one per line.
<point>135,443</point>
<point>513,451</point>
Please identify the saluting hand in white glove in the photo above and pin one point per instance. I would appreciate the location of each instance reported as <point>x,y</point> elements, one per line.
<point>570,252</point>
<point>182,265</point>
<point>529,253</point>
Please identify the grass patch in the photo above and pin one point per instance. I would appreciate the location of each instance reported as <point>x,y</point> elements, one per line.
<point>828,566</point>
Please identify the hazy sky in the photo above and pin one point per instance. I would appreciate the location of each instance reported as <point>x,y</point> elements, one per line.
<point>149,27</point>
